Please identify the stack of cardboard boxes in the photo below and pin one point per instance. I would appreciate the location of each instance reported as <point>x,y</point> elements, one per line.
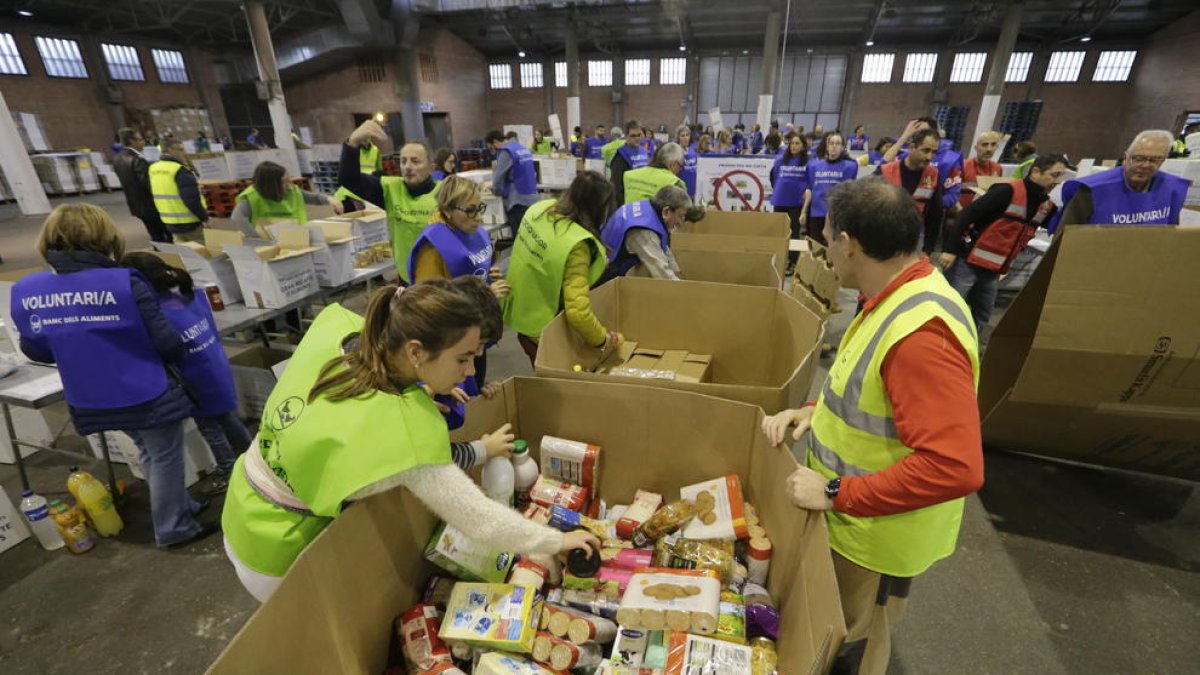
<point>815,284</point>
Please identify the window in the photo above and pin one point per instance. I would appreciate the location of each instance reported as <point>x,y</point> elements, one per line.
<point>637,72</point>
<point>11,62</point>
<point>429,69</point>
<point>599,73</point>
<point>1114,66</point>
<point>1064,66</point>
<point>560,73</point>
<point>169,64</point>
<point>61,57</point>
<point>531,75</point>
<point>1018,67</point>
<point>500,75</point>
<point>968,67</point>
<point>878,67</point>
<point>920,67</point>
<point>672,71</point>
<point>123,63</point>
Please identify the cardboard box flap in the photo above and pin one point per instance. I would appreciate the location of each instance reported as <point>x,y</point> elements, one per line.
<point>749,223</point>
<point>172,259</point>
<point>335,232</point>
<point>746,268</point>
<point>692,241</point>
<point>216,240</point>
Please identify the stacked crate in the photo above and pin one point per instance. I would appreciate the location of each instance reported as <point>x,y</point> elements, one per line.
<point>221,195</point>
<point>953,119</point>
<point>1019,121</point>
<point>325,176</point>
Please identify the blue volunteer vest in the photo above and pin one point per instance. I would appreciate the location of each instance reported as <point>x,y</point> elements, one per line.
<point>756,142</point>
<point>822,176</point>
<point>205,369</point>
<point>524,174</point>
<point>463,253</point>
<point>874,157</point>
<point>1113,203</point>
<point>790,183</point>
<point>457,414</point>
<point>688,173</point>
<point>629,217</point>
<point>859,142</point>
<point>90,322</point>
<point>438,175</point>
<point>947,159</point>
<point>593,146</point>
<point>636,159</point>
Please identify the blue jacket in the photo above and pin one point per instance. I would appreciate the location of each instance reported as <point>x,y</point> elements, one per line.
<point>173,405</point>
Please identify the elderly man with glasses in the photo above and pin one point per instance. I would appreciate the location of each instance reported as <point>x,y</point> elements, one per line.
<point>1136,193</point>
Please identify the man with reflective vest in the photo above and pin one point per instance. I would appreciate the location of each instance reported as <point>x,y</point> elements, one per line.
<point>176,193</point>
<point>917,175</point>
<point>409,199</point>
<point>514,177</point>
<point>631,155</point>
<point>980,165</point>
<point>369,160</point>
<point>639,233</point>
<point>662,171</point>
<point>594,143</point>
<point>994,229</point>
<point>1136,193</point>
<point>889,458</point>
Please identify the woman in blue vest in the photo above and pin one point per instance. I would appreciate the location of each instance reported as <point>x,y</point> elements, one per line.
<point>514,177</point>
<point>205,369</point>
<point>860,141</point>
<point>639,233</point>
<point>444,164</point>
<point>831,167</point>
<point>684,136</point>
<point>115,351</point>
<point>788,184</point>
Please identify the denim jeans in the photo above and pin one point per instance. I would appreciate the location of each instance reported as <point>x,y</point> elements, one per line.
<point>171,507</point>
<point>226,436</point>
<point>977,286</point>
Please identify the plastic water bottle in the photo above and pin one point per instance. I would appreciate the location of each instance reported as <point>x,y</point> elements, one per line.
<point>499,480</point>
<point>525,471</point>
<point>37,513</point>
<point>91,496</point>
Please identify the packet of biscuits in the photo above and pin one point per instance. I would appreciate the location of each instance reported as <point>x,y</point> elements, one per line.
<point>722,510</point>
<point>670,599</point>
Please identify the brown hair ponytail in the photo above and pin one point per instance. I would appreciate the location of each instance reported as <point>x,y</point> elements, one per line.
<point>433,313</point>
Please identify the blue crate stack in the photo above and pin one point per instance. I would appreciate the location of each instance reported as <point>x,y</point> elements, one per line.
<point>1019,120</point>
<point>325,176</point>
<point>953,119</point>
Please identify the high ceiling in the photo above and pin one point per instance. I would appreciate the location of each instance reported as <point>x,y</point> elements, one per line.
<point>502,27</point>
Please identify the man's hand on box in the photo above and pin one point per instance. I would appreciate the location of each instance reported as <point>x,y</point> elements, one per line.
<point>806,488</point>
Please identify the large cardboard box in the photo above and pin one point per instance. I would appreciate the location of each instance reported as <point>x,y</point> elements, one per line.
<point>198,459</point>
<point>725,267</point>
<point>334,258</point>
<point>211,167</point>
<point>334,609</point>
<point>275,276</point>
<point>745,223</point>
<point>369,226</point>
<point>255,375</point>
<point>737,231</point>
<point>732,243</point>
<point>763,343</point>
<point>1098,359</point>
<point>208,263</point>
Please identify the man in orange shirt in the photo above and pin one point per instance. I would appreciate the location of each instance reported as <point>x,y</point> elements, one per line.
<point>980,165</point>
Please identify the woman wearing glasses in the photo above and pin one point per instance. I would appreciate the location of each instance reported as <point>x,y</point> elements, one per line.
<point>455,243</point>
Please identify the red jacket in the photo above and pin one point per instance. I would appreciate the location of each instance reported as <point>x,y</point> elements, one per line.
<point>971,174</point>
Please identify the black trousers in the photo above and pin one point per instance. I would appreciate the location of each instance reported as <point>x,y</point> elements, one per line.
<point>793,213</point>
<point>156,229</point>
<point>513,216</point>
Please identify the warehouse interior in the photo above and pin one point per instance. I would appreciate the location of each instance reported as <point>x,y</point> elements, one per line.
<point>1065,563</point>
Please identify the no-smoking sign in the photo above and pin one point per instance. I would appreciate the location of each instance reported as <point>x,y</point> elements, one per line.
<point>738,190</point>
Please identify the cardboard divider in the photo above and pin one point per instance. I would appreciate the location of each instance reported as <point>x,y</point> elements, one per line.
<point>725,267</point>
<point>333,612</point>
<point>1098,358</point>
<point>722,243</point>
<point>767,356</point>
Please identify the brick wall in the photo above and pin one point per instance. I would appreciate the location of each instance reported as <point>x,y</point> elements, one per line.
<point>75,113</point>
<point>1169,78</point>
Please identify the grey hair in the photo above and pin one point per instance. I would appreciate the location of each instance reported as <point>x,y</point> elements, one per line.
<point>1160,135</point>
<point>616,132</point>
<point>669,152</point>
<point>670,197</point>
<point>682,128</point>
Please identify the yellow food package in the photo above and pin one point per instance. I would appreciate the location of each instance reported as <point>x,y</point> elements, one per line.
<point>500,616</point>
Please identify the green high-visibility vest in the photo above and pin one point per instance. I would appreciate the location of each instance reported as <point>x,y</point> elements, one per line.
<point>325,451</point>
<point>854,430</point>
<point>291,206</point>
<point>369,160</point>
<point>1023,168</point>
<point>538,265</point>
<point>167,200</point>
<point>407,217</point>
<point>543,148</point>
<point>645,182</point>
<point>609,150</point>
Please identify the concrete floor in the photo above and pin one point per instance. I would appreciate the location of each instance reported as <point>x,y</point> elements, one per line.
<point>1059,569</point>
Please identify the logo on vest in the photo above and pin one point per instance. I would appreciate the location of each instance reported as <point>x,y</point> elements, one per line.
<point>287,413</point>
<point>35,323</point>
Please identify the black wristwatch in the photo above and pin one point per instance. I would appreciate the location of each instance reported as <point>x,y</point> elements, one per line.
<point>832,487</point>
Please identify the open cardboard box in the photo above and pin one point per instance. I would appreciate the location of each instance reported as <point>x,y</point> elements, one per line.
<point>764,345</point>
<point>1098,359</point>
<point>683,365</point>
<point>814,272</point>
<point>736,231</point>
<point>744,223</point>
<point>277,275</point>
<point>743,268</point>
<point>370,226</point>
<point>733,243</point>
<point>333,612</point>
<point>207,263</point>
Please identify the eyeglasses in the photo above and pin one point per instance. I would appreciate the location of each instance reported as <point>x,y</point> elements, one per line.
<point>477,210</point>
<point>1143,159</point>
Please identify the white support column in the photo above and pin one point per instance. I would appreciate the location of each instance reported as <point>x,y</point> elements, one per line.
<point>572,48</point>
<point>268,72</point>
<point>18,168</point>
<point>770,68</point>
<point>997,72</point>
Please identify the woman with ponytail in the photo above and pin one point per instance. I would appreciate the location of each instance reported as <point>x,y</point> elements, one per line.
<point>349,419</point>
<point>205,369</point>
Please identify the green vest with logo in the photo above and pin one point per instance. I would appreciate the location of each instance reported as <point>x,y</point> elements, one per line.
<point>407,217</point>
<point>645,182</point>
<point>342,194</point>
<point>325,451</point>
<point>538,265</point>
<point>291,206</point>
<point>854,430</point>
<point>609,150</point>
<point>543,148</point>
<point>369,160</point>
<point>167,200</point>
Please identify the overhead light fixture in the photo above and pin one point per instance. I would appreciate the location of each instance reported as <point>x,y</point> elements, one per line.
<point>682,47</point>
<point>808,51</point>
<point>379,117</point>
<point>24,12</point>
<point>745,52</point>
<point>870,43</point>
<point>1086,38</point>
<point>521,53</point>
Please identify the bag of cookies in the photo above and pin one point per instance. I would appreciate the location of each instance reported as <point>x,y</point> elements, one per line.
<point>669,599</point>
<point>721,513</point>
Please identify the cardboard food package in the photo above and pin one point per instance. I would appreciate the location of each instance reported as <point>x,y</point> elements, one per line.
<point>763,343</point>
<point>335,607</point>
<point>686,652</point>
<point>499,616</point>
<point>208,263</point>
<point>450,550</point>
<point>1098,359</point>
<point>334,241</point>
<point>276,276</point>
<point>635,361</point>
<point>724,267</point>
